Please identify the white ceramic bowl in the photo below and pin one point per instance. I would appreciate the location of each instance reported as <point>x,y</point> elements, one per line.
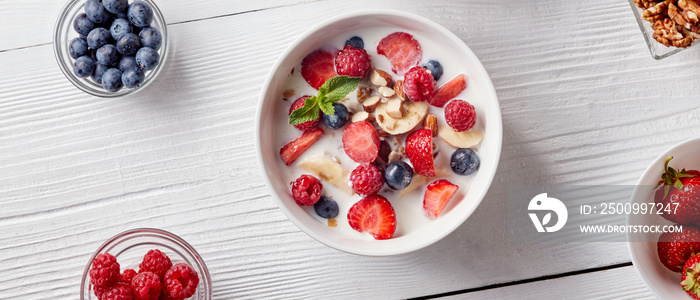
<point>664,283</point>
<point>343,237</point>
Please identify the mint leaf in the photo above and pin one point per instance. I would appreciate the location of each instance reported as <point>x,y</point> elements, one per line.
<point>338,87</point>
<point>308,112</point>
<point>330,92</point>
<point>327,108</point>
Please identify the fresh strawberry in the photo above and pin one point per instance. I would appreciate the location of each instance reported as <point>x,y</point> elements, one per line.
<point>419,84</point>
<point>292,150</point>
<point>690,278</point>
<point>353,62</point>
<point>679,191</point>
<point>674,248</point>
<point>437,194</point>
<point>448,91</point>
<point>402,50</point>
<point>374,215</point>
<point>361,142</point>
<point>299,103</point>
<point>317,67</point>
<point>419,149</point>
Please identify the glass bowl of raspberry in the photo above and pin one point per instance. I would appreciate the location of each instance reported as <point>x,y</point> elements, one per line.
<point>127,48</point>
<point>143,250</point>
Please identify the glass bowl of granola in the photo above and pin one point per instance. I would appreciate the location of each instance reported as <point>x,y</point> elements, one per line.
<point>668,26</point>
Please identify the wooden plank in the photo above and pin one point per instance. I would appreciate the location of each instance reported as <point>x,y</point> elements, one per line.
<point>31,23</point>
<point>583,103</point>
<point>620,283</point>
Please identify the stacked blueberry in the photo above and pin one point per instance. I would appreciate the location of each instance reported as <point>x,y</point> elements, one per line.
<point>116,44</point>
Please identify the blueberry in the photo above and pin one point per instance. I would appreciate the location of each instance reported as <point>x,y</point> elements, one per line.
<point>140,14</point>
<point>120,27</point>
<point>112,80</point>
<point>128,44</point>
<point>133,77</point>
<point>98,37</point>
<point>326,208</point>
<point>398,175</point>
<point>147,58</point>
<point>464,161</point>
<point>99,71</point>
<point>108,55</point>
<point>96,12</point>
<point>339,119</point>
<point>435,68</point>
<point>115,6</point>
<point>151,38</point>
<point>83,66</point>
<point>127,62</point>
<point>78,47</point>
<point>356,42</point>
<point>82,24</point>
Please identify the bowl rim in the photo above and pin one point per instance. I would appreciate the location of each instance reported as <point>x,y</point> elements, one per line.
<point>631,246</point>
<point>495,122</point>
<point>60,48</point>
<point>155,231</point>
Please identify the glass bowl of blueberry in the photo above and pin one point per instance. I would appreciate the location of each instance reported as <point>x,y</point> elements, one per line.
<point>110,48</point>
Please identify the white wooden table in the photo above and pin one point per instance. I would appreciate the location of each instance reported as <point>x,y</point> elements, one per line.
<point>582,100</point>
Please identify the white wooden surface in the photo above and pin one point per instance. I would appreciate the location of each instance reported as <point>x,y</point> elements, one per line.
<point>582,100</point>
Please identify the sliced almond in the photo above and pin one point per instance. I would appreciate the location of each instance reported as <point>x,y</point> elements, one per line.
<point>394,156</point>
<point>393,108</point>
<point>362,116</point>
<point>371,103</point>
<point>329,171</point>
<point>462,139</point>
<point>379,78</point>
<point>431,123</point>
<point>414,112</point>
<point>363,92</point>
<point>386,92</point>
<point>398,89</point>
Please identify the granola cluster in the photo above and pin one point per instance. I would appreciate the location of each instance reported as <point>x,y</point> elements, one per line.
<point>675,22</point>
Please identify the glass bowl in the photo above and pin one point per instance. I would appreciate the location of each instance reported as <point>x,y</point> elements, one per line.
<point>64,34</point>
<point>657,50</point>
<point>130,246</point>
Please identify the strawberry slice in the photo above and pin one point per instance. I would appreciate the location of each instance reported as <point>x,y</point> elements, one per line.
<point>402,50</point>
<point>292,150</point>
<point>361,142</point>
<point>437,194</point>
<point>317,67</point>
<point>374,215</point>
<point>449,91</point>
<point>419,149</point>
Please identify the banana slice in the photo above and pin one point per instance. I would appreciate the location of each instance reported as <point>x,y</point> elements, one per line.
<point>421,181</point>
<point>463,139</point>
<point>414,112</point>
<point>329,171</point>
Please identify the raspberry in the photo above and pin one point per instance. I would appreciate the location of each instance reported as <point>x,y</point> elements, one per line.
<point>127,275</point>
<point>460,115</point>
<point>119,291</point>
<point>105,270</point>
<point>366,179</point>
<point>155,261</point>
<point>306,190</point>
<point>353,62</point>
<point>299,103</point>
<point>146,286</point>
<point>418,84</point>
<point>180,281</point>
